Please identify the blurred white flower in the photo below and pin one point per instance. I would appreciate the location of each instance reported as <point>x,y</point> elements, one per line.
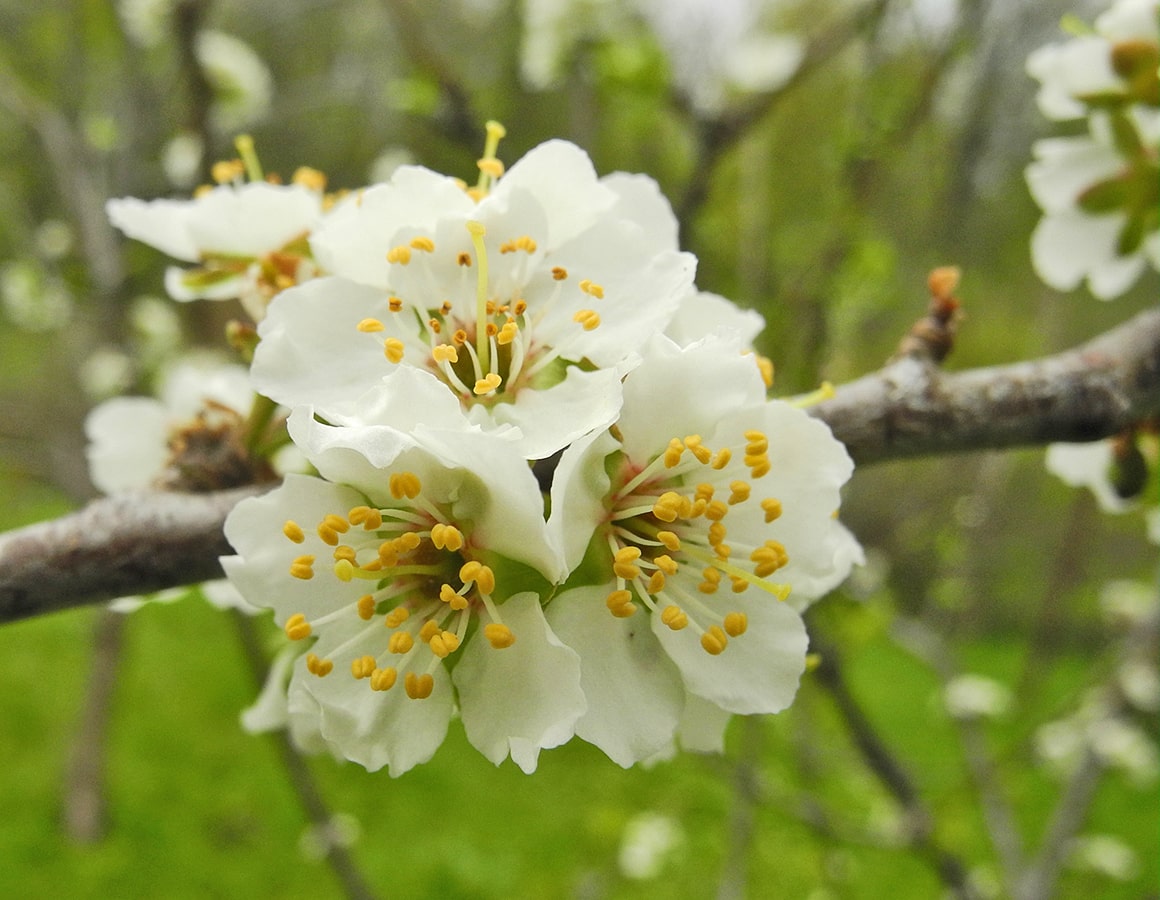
<point>53,238</point>
<point>316,841</point>
<point>105,372</point>
<point>1104,854</point>
<point>32,298</point>
<point>1128,602</point>
<point>181,159</point>
<point>242,84</point>
<point>976,697</point>
<point>1087,465</point>
<point>647,845</point>
<point>385,164</point>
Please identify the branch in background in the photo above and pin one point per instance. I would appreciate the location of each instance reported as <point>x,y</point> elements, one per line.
<point>132,543</point>
<point>911,408</point>
<point>139,543</point>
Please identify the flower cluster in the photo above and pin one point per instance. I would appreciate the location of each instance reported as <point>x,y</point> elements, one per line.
<point>1099,191</point>
<point>549,493</point>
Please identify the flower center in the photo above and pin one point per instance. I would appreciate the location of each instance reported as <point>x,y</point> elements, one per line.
<point>426,586</point>
<point>668,536</point>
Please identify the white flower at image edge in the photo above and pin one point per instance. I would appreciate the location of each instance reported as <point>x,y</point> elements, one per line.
<point>674,524</point>
<point>413,551</point>
<point>248,240</point>
<point>526,302</point>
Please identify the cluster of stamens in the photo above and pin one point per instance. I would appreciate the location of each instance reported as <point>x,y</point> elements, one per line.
<point>668,543</point>
<point>413,558</point>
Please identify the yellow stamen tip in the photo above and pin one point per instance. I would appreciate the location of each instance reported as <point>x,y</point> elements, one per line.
<point>714,640</point>
<point>383,679</point>
<point>393,350</point>
<point>736,623</point>
<point>297,627</point>
<point>400,642</point>
<point>293,531</point>
<point>487,384</point>
<point>674,617</point>
<point>498,635</point>
<point>418,687</point>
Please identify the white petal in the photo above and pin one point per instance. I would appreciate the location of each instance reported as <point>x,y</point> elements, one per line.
<point>1087,465</point>
<point>127,443</point>
<point>1065,167</point>
<point>703,725</point>
<point>270,710</point>
<point>252,220</point>
<point>525,697</point>
<point>634,691</point>
<point>161,223</point>
<point>758,672</point>
<point>1112,277</point>
<point>188,385</point>
<point>702,313</point>
<point>639,198</point>
<point>1066,246</point>
<point>579,487</point>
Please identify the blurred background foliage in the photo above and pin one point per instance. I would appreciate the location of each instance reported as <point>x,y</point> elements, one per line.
<point>896,145</point>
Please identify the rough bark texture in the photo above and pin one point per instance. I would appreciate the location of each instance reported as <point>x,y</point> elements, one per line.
<point>138,543</point>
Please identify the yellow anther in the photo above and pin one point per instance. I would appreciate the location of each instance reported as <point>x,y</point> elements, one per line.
<point>345,551</point>
<point>716,510</point>
<point>317,666</point>
<point>559,273</point>
<point>303,567</point>
<point>656,582</point>
<point>293,531</point>
<point>498,635</point>
<point>297,627</point>
<point>772,507</point>
<point>397,617</point>
<point>519,307</point>
<point>344,570</point>
<point>370,325</point>
<point>618,599</point>
<point>384,679</point>
<point>507,334</point>
<point>668,506</point>
<point>442,353</point>
<point>740,585</point>
<point>395,304</point>
<point>526,243</point>
<point>666,564</point>
<point>723,551</point>
<point>485,581</point>
<point>366,607</point>
<point>699,450</point>
<point>487,384</point>
<point>623,563</point>
<point>405,484</point>
<point>704,491</point>
<point>591,288</point>
<point>769,557</point>
<point>228,170</point>
<point>418,687</point>
<point>717,534</point>
<point>739,492</point>
<point>765,367</point>
<point>712,580</point>
<point>673,453</point>
<point>674,617</point>
<point>670,540</point>
<point>721,458</point>
<point>588,318</point>
<point>337,522</point>
<point>690,509</point>
<point>328,534</point>
<point>443,644</point>
<point>423,243</point>
<point>713,641</point>
<point>736,623</point>
<point>369,517</point>
<point>393,350</point>
<point>448,594</point>
<point>429,629</point>
<point>446,537</point>
<point>460,337</point>
<point>400,255</point>
<point>408,540</point>
<point>760,468</point>
<point>754,436</point>
<point>400,642</point>
<point>362,667</point>
<point>470,570</point>
<point>464,259</point>
<point>490,166</point>
<point>309,178</point>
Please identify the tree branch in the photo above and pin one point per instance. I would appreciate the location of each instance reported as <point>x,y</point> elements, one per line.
<point>138,543</point>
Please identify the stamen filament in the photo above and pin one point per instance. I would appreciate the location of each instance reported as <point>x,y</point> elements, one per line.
<point>477,231</point>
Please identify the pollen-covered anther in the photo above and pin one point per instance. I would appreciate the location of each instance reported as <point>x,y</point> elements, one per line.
<point>443,644</point>
<point>366,516</point>
<point>362,667</point>
<point>673,453</point>
<point>670,540</point>
<point>674,617</point>
<point>452,598</point>
<point>716,510</point>
<point>404,484</point>
<point>315,665</point>
<point>588,318</point>
<point>714,640</point>
<point>591,288</point>
<point>559,273</point>
<point>297,628</point>
<point>716,534</point>
<point>400,255</point>
<point>429,630</point>
<point>395,304</point>
<point>445,353</point>
<point>418,687</point>
<point>463,259</point>
<point>345,551</point>
<point>624,563</point>
<point>699,450</point>
<point>499,635</point>
<point>721,458</point>
<point>400,642</point>
<point>656,582</point>
<point>666,564</point>
<point>712,578</point>
<point>384,679</point>
<point>228,170</point>
<point>397,617</point>
<point>303,567</point>
<point>366,607</point>
<point>507,334</point>
<point>425,244</point>
<point>772,507</point>
<point>487,384</point>
<point>293,531</point>
<point>670,506</point>
<point>738,492</point>
<point>769,557</point>
<point>446,537</point>
<point>735,624</point>
<point>369,326</point>
<point>309,178</point>
<point>490,166</point>
<point>393,350</point>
